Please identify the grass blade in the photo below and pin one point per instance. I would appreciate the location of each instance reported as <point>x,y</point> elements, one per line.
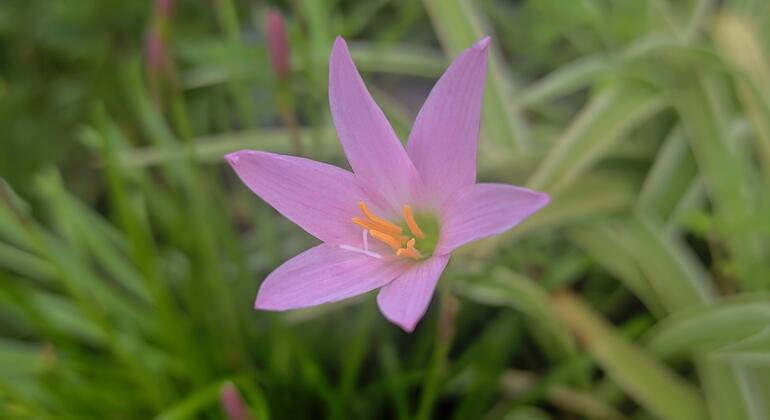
<point>610,114</point>
<point>643,377</point>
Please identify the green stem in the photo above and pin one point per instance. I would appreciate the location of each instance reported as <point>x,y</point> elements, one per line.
<point>227,18</point>
<point>285,103</point>
<point>438,360</point>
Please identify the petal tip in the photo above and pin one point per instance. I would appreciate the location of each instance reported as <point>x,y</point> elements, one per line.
<point>261,303</point>
<point>543,199</point>
<point>407,327</point>
<point>232,158</point>
<point>405,323</point>
<point>340,42</point>
<point>483,44</point>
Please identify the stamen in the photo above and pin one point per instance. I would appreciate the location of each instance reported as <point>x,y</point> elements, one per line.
<point>388,226</point>
<point>368,225</point>
<point>410,251</point>
<point>413,227</point>
<point>388,233</point>
<point>384,237</point>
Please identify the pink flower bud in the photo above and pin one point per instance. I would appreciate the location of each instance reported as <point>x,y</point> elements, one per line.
<point>163,8</point>
<point>155,49</point>
<point>232,403</point>
<point>278,43</point>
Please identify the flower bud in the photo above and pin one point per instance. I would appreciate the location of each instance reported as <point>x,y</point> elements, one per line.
<point>232,403</point>
<point>278,44</point>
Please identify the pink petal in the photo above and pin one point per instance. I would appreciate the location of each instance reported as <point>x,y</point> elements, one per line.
<point>405,300</point>
<point>320,198</point>
<point>372,148</point>
<point>483,210</point>
<point>443,141</point>
<point>325,273</point>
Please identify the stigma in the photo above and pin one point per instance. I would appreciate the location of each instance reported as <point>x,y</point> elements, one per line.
<point>390,233</point>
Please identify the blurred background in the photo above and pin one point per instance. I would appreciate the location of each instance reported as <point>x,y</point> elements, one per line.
<point>130,254</point>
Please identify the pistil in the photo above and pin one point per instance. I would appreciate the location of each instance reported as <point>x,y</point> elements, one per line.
<point>410,251</point>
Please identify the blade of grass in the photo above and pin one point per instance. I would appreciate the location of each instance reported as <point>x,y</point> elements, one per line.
<point>195,404</point>
<point>674,272</point>
<point>722,392</point>
<point>710,326</point>
<point>227,19</point>
<point>82,224</point>
<point>400,59</point>
<point>671,176</point>
<point>508,288</point>
<point>640,374</point>
<point>563,396</point>
<point>732,185</point>
<point>600,241</point>
<point>564,80</point>
<point>738,42</point>
<point>608,116</point>
<point>211,149</point>
<point>25,263</point>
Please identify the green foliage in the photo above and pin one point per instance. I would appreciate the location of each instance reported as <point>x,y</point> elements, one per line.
<point>130,255</point>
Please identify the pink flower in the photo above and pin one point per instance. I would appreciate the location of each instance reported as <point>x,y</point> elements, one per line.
<point>393,222</point>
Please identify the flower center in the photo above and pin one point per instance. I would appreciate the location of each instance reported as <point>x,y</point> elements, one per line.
<point>395,235</point>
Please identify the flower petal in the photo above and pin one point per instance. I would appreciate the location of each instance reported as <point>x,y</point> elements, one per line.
<point>483,210</point>
<point>405,300</point>
<point>443,141</point>
<point>325,273</point>
<point>320,198</point>
<point>372,148</point>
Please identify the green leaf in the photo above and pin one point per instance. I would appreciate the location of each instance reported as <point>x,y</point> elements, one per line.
<point>741,46</point>
<point>654,265</point>
<point>21,358</point>
<point>193,405</point>
<point>710,326</point>
<point>730,178</point>
<point>608,116</point>
<point>650,383</point>
<point>671,177</point>
<point>565,80</point>
<point>401,59</point>
<point>508,288</point>
<point>720,386</point>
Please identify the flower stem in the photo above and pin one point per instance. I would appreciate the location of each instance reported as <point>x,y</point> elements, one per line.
<point>441,347</point>
<point>285,102</point>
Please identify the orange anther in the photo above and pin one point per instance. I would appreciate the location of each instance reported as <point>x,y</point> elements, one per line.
<point>387,239</point>
<point>365,223</point>
<point>383,225</point>
<point>413,227</point>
